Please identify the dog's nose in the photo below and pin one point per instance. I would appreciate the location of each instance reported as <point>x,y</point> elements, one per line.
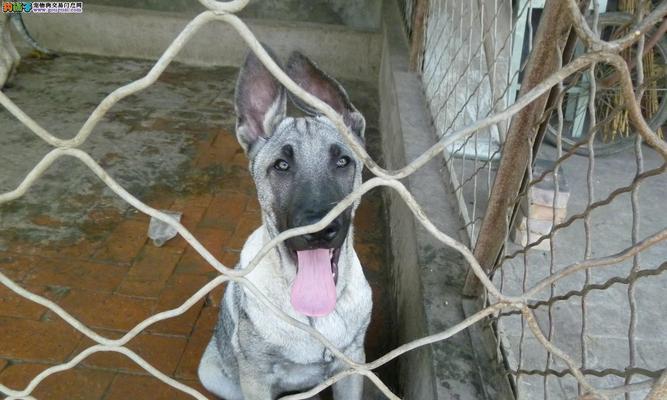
<point>326,235</point>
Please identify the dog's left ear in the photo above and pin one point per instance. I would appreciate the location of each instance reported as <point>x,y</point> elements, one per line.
<point>260,102</point>
<point>315,81</point>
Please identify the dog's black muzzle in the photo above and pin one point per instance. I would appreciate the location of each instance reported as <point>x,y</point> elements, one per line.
<point>331,237</point>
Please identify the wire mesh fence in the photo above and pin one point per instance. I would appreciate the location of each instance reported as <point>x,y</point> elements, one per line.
<point>469,82</point>
<point>466,74</point>
<point>568,208</point>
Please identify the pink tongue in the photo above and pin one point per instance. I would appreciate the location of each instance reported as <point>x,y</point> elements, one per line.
<point>314,290</point>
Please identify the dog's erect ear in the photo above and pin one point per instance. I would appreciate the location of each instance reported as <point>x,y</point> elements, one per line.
<point>260,102</point>
<point>307,75</point>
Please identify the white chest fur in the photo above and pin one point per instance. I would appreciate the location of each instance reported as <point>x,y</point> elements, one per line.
<point>341,327</point>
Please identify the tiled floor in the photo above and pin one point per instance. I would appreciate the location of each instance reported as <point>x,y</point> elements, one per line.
<point>72,241</point>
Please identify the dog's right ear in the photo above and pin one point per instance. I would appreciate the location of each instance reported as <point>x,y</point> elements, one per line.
<point>315,81</point>
<point>260,102</point>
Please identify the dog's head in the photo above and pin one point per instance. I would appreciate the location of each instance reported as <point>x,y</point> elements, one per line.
<point>302,168</point>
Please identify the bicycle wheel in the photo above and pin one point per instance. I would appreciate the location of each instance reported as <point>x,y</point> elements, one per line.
<point>609,138</point>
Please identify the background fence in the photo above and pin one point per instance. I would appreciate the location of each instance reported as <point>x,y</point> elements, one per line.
<point>471,85</point>
<point>529,224</point>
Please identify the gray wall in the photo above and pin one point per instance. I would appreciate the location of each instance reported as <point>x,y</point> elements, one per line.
<point>145,34</point>
<point>358,14</point>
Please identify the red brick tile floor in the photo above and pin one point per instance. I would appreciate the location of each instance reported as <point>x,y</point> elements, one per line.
<point>108,275</point>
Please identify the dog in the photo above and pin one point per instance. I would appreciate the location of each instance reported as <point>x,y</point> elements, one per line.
<point>302,168</point>
<point>9,56</point>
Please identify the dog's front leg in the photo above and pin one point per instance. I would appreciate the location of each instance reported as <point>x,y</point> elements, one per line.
<point>253,382</point>
<point>352,387</point>
<point>8,55</point>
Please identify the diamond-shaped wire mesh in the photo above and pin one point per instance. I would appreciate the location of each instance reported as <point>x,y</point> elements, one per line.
<point>478,77</point>
<point>476,55</point>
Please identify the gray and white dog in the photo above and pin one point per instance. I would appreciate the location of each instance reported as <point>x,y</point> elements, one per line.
<point>9,56</point>
<point>302,167</point>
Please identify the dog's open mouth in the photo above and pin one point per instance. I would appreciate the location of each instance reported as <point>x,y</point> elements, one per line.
<point>314,289</point>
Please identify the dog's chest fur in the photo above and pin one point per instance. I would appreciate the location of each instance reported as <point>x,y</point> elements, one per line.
<point>292,358</point>
<point>273,277</point>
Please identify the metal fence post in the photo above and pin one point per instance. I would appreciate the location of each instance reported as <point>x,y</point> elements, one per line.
<point>417,39</point>
<point>554,28</point>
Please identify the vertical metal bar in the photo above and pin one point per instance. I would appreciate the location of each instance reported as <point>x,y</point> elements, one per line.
<point>524,282</point>
<point>476,93</point>
<point>417,45</point>
<point>636,217</point>
<point>489,43</point>
<point>432,61</point>
<point>588,247</point>
<point>554,27</point>
<point>552,241</point>
<point>517,49</point>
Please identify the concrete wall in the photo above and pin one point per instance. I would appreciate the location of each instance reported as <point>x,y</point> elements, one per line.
<point>145,34</point>
<point>358,14</point>
<point>428,276</point>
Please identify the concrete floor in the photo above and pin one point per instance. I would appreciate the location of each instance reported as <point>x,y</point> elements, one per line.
<point>608,310</point>
<point>71,240</point>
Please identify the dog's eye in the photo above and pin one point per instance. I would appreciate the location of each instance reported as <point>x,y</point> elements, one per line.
<point>343,162</point>
<point>281,165</point>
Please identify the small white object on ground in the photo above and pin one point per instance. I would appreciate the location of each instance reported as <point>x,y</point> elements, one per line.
<point>160,231</point>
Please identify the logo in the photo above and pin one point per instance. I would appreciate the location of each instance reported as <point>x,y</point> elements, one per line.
<point>43,7</point>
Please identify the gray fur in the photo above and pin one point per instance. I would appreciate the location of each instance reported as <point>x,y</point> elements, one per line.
<point>17,20</point>
<point>9,57</point>
<point>253,354</point>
